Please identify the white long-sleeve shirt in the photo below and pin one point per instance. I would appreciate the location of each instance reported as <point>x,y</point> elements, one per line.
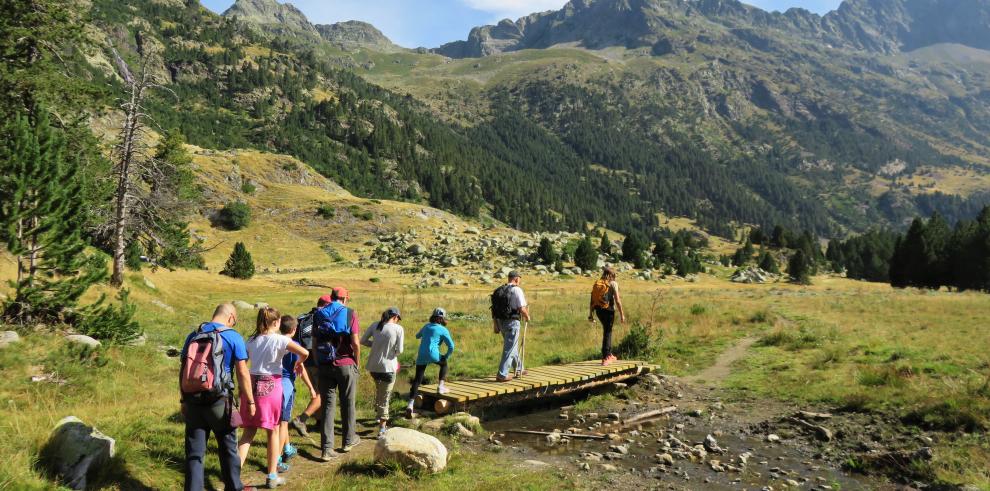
<point>386,345</point>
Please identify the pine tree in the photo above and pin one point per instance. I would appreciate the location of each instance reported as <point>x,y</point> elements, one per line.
<point>799,268</point>
<point>632,248</point>
<point>235,215</point>
<point>744,254</point>
<point>662,250</point>
<point>546,252</point>
<point>768,263</point>
<point>606,244</point>
<point>586,257</point>
<point>132,256</point>
<point>42,221</point>
<point>239,265</point>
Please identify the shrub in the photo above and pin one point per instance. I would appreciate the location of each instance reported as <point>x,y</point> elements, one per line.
<point>638,343</point>
<point>235,216</point>
<point>132,256</point>
<point>948,415</point>
<point>760,317</point>
<point>248,188</point>
<point>326,211</point>
<point>239,265</point>
<point>546,252</point>
<point>698,309</point>
<point>110,323</point>
<point>586,257</point>
<point>375,280</point>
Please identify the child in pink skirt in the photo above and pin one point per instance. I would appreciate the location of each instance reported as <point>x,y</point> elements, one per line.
<point>265,351</point>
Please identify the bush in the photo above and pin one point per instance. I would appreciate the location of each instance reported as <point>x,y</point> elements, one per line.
<point>239,265</point>
<point>248,188</point>
<point>948,415</point>
<point>132,256</point>
<point>698,309</point>
<point>546,252</point>
<point>586,257</point>
<point>326,211</point>
<point>375,280</point>
<point>637,344</point>
<point>235,216</point>
<point>113,324</point>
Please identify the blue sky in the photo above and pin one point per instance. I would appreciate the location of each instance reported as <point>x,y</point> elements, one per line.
<point>430,23</point>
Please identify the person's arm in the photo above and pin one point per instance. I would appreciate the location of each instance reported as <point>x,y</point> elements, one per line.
<point>366,339</point>
<point>355,339</point>
<point>618,302</point>
<point>524,313</point>
<point>309,383</point>
<point>244,382</point>
<point>294,347</point>
<point>591,308</point>
<point>449,341</point>
<point>523,305</point>
<point>402,342</point>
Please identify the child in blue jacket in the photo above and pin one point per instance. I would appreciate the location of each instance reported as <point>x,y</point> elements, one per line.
<point>431,336</point>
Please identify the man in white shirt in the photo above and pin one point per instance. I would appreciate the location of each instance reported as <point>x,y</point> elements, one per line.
<point>508,324</point>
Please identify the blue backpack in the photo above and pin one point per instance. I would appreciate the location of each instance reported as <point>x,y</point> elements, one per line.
<point>330,324</point>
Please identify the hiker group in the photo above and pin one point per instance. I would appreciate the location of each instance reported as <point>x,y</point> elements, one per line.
<point>322,348</point>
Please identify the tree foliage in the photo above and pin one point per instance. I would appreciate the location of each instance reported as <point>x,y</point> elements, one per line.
<point>586,257</point>
<point>239,265</point>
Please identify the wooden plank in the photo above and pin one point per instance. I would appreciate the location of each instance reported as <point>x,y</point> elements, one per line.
<point>454,393</point>
<point>563,373</point>
<point>483,389</point>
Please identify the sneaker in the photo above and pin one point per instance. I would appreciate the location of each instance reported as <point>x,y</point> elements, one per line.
<point>607,361</point>
<point>299,426</point>
<point>499,378</point>
<point>289,452</point>
<point>350,446</point>
<point>410,413</point>
<point>282,467</point>
<point>381,431</point>
<point>520,373</point>
<point>272,483</point>
<point>442,389</point>
<point>328,455</point>
<point>612,358</point>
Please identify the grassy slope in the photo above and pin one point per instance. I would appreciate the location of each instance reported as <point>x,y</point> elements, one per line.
<point>838,342</point>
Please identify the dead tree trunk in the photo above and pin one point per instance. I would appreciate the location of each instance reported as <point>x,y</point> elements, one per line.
<point>122,199</point>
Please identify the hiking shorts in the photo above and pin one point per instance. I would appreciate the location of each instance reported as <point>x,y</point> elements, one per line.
<point>288,399</point>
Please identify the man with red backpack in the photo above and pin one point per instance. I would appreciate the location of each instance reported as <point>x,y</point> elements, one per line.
<point>211,355</point>
<point>338,349</point>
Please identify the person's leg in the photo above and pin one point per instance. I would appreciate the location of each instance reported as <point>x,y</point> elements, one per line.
<point>508,347</point>
<point>417,380</point>
<point>314,402</point>
<point>273,451</point>
<point>606,317</point>
<point>196,434</point>
<point>328,397</point>
<point>381,402</point>
<point>218,420</point>
<point>348,405</point>
<point>389,384</point>
<point>244,444</point>
<point>443,370</point>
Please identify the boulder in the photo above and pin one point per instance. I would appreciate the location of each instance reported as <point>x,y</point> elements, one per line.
<point>412,450</point>
<point>260,305</point>
<point>83,340</point>
<point>472,230</point>
<point>8,337</point>
<point>148,283</point>
<point>76,451</point>
<point>242,305</point>
<point>416,249</point>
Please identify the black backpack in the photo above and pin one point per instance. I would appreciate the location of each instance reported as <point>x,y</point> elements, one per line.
<point>304,335</point>
<point>501,304</point>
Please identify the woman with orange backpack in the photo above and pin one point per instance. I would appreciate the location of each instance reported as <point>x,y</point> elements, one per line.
<point>604,303</point>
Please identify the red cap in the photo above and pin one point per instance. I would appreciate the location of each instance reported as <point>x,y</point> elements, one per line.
<point>325,299</point>
<point>341,293</point>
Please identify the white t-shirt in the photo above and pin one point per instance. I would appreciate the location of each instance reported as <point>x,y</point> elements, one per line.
<point>517,299</point>
<point>266,352</point>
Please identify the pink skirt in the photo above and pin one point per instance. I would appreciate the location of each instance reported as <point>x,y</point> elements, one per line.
<point>267,391</point>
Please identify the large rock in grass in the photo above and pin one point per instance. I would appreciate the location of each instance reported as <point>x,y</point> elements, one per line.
<point>8,337</point>
<point>83,340</point>
<point>76,452</point>
<point>412,450</point>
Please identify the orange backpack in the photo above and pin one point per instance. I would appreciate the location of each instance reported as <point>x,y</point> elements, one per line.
<point>601,295</point>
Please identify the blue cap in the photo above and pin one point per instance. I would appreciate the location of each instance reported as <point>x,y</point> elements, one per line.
<point>439,312</point>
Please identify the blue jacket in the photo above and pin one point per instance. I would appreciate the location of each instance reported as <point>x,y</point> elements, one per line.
<point>431,336</point>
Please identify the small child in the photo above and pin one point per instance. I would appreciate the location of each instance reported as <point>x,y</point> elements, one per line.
<point>432,335</point>
<point>289,362</point>
<point>266,348</point>
<point>385,338</point>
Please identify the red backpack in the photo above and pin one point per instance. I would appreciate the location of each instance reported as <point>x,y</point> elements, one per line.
<point>202,377</point>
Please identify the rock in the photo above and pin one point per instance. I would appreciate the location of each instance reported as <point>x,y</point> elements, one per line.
<point>463,431</point>
<point>535,463</point>
<point>716,466</point>
<point>585,466</point>
<point>8,337</point>
<point>609,468</point>
<point>472,231</point>
<point>665,459</point>
<point>162,305</point>
<point>613,437</point>
<point>75,451</point>
<point>149,284</point>
<point>711,445</point>
<point>412,450</point>
<point>792,483</point>
<point>618,385</point>
<point>621,449</point>
<point>696,413</point>
<point>614,416</point>
<point>242,305</point>
<point>83,340</point>
<point>553,438</point>
<point>434,425</point>
<point>744,457</point>
<point>416,249</point>
<point>563,416</point>
<point>138,341</point>
<point>772,438</point>
<point>652,379</point>
<point>172,352</point>
<point>260,305</point>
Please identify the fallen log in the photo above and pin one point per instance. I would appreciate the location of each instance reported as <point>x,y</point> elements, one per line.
<point>822,432</point>
<point>808,415</point>
<point>656,413</point>
<point>562,435</point>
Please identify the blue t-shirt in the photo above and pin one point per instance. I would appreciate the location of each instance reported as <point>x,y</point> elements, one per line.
<point>234,349</point>
<point>289,366</point>
<point>432,336</point>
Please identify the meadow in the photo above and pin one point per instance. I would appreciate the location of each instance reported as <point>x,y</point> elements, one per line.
<point>838,344</point>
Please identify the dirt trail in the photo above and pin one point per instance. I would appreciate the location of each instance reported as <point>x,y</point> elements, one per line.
<point>723,364</point>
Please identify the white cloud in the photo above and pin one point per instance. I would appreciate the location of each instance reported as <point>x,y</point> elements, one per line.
<point>514,9</point>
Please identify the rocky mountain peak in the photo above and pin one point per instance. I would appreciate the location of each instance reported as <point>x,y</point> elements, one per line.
<point>355,34</point>
<point>283,18</point>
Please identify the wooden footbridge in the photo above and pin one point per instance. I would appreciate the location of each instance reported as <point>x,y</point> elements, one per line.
<point>539,382</point>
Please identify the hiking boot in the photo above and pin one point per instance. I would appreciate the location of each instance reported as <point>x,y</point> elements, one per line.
<point>328,455</point>
<point>272,483</point>
<point>299,426</point>
<point>499,378</point>
<point>350,446</point>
